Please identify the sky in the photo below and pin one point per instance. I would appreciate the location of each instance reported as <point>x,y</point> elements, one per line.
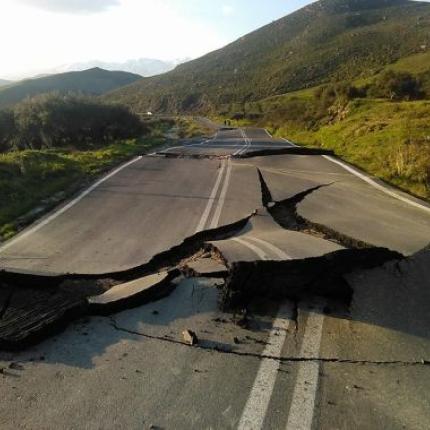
<point>39,35</point>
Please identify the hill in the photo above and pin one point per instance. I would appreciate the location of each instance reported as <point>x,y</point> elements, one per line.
<point>3,82</point>
<point>142,66</point>
<point>325,41</point>
<point>94,81</point>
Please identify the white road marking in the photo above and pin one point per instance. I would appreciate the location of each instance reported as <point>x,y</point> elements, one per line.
<point>211,200</point>
<point>303,403</point>
<point>185,146</point>
<point>65,208</point>
<point>289,141</point>
<point>268,133</point>
<point>221,200</point>
<point>244,147</point>
<point>258,401</point>
<point>376,185</point>
<point>277,251</point>
<point>255,249</point>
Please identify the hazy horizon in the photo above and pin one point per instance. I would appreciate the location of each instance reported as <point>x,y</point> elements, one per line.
<point>64,32</point>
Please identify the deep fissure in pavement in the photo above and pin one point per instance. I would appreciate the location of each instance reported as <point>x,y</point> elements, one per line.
<point>42,304</point>
<point>294,279</point>
<point>285,213</point>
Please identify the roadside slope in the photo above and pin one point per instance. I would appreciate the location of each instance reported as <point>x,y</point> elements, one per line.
<point>352,39</point>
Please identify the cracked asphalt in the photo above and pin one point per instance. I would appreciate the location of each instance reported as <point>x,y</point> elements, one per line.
<point>308,362</point>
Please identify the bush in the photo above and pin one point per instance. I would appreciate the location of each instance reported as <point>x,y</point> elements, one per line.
<point>7,129</point>
<point>396,86</point>
<point>54,120</point>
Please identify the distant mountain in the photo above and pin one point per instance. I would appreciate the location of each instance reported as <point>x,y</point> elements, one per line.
<point>94,81</point>
<point>142,66</point>
<point>324,41</point>
<point>3,82</point>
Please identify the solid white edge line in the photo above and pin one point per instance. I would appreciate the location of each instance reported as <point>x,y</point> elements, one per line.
<point>221,200</point>
<point>277,251</point>
<point>302,407</point>
<point>268,133</point>
<point>211,200</point>
<point>65,208</point>
<point>376,185</point>
<point>289,141</point>
<point>255,410</point>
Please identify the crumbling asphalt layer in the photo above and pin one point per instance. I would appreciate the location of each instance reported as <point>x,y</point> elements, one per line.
<point>35,306</point>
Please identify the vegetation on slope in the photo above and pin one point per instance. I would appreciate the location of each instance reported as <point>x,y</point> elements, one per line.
<point>93,82</point>
<point>330,40</point>
<point>52,145</point>
<point>34,181</point>
<point>54,120</point>
<point>3,82</point>
<point>387,136</point>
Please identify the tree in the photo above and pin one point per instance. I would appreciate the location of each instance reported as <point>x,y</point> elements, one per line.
<point>7,129</point>
<point>58,120</point>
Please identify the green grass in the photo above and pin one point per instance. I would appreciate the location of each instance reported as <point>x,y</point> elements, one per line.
<point>189,128</point>
<point>387,139</point>
<point>40,179</point>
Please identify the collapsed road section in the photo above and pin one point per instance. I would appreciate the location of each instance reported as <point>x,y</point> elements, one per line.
<point>251,233</point>
<point>35,306</point>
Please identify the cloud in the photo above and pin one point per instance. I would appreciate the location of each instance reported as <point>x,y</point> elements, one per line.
<point>227,10</point>
<point>72,6</point>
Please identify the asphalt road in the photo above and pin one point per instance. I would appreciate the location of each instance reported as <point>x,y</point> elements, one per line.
<point>317,366</point>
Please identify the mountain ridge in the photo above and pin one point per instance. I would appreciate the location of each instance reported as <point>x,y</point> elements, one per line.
<point>353,38</point>
<point>95,81</point>
<point>4,82</point>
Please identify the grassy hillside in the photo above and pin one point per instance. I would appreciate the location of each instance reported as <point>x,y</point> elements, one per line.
<point>329,40</point>
<point>93,81</point>
<point>387,138</point>
<point>3,82</point>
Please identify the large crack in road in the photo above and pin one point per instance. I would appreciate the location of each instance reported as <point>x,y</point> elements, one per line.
<point>42,305</point>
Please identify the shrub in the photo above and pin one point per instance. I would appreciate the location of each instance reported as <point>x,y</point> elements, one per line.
<point>54,120</point>
<point>396,86</point>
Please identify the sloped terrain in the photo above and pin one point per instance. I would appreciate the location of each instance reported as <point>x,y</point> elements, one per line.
<point>329,39</point>
<point>93,81</point>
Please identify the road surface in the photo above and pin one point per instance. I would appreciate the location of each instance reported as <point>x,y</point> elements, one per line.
<point>312,364</point>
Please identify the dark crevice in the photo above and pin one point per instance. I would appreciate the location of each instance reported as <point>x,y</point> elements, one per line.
<point>164,260</point>
<point>295,316</point>
<point>46,304</point>
<point>265,191</point>
<point>6,304</point>
<point>230,350</point>
<point>286,215</point>
<point>323,276</point>
<point>294,150</point>
<point>178,155</point>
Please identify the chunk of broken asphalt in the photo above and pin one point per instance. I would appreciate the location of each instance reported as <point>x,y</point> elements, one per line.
<point>190,337</point>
